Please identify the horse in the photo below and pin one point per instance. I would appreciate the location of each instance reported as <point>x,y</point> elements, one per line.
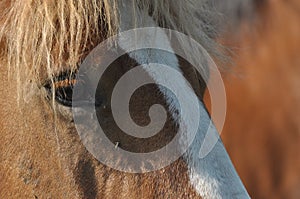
<point>263,101</point>
<point>42,155</point>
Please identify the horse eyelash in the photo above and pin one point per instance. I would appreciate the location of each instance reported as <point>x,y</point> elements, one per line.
<point>62,86</point>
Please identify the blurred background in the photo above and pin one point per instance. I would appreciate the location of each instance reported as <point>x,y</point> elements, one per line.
<point>262,128</point>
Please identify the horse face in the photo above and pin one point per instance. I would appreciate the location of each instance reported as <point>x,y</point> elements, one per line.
<point>42,152</point>
<point>41,145</point>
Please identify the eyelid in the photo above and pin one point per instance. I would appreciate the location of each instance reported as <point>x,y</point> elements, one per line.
<point>64,83</point>
<point>61,79</point>
<point>63,87</point>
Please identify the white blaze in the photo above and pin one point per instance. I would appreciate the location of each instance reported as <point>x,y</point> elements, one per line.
<point>213,176</point>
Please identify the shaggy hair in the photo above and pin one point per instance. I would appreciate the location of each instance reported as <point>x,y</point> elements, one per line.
<point>42,37</point>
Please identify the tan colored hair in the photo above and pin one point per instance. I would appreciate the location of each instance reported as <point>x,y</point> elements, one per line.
<point>41,37</point>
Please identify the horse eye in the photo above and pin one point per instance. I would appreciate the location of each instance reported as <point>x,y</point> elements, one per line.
<point>63,88</point>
